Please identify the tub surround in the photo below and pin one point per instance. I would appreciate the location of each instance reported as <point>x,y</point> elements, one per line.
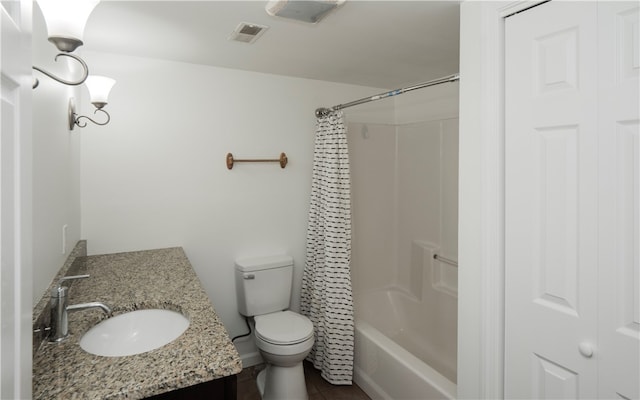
<point>161,278</point>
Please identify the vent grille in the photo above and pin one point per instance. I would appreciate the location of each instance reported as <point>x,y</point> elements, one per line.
<point>247,33</point>
<point>310,11</point>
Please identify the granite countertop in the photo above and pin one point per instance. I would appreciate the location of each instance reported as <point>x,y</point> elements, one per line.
<point>161,278</point>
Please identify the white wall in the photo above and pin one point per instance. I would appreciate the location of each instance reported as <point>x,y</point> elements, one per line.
<point>56,164</point>
<point>156,175</point>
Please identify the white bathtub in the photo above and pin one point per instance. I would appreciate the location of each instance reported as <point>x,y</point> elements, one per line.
<point>399,356</point>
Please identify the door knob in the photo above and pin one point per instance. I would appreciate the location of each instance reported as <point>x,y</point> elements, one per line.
<point>586,349</point>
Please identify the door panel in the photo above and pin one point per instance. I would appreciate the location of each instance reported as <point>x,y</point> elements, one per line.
<point>572,201</point>
<point>553,381</point>
<point>619,181</point>
<point>551,201</point>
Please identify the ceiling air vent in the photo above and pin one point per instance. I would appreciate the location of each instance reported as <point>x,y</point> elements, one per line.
<point>248,33</point>
<point>310,11</point>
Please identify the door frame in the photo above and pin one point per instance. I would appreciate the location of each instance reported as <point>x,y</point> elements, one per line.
<point>17,329</point>
<point>481,241</point>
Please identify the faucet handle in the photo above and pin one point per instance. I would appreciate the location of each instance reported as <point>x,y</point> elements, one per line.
<point>59,290</point>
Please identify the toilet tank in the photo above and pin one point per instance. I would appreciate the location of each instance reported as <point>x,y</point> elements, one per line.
<point>263,284</point>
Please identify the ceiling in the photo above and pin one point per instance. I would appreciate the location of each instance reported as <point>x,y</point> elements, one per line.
<point>385,44</point>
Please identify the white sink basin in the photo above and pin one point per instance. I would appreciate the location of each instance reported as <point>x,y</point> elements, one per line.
<point>134,332</point>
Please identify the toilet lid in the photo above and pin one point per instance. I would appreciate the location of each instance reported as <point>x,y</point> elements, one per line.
<point>283,327</point>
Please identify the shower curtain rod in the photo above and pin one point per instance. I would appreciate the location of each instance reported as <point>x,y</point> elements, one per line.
<point>321,112</point>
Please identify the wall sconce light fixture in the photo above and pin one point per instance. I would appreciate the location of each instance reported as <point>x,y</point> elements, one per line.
<point>99,88</point>
<point>65,21</point>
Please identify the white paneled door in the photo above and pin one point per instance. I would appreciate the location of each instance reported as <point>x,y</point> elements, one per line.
<point>15,199</point>
<point>572,175</point>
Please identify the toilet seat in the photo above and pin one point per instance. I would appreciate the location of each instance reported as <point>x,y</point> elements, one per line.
<point>283,328</point>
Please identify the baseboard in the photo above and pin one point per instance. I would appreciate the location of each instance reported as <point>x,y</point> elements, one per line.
<point>365,383</point>
<point>251,359</point>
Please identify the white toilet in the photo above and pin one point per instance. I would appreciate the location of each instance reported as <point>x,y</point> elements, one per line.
<point>284,338</point>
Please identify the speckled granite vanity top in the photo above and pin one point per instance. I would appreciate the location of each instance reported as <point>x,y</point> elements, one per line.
<point>127,281</point>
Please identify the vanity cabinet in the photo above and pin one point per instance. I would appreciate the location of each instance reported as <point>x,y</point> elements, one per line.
<point>219,389</point>
<point>152,279</point>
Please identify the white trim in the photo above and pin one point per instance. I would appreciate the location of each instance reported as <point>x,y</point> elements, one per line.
<point>481,200</point>
<point>251,359</point>
<point>16,271</point>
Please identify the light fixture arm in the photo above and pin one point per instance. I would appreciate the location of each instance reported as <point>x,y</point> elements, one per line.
<point>74,119</point>
<point>82,125</point>
<point>85,72</point>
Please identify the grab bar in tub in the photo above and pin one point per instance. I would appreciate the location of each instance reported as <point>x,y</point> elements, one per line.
<point>445,260</point>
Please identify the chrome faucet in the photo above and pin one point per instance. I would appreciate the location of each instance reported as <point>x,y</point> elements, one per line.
<point>60,309</point>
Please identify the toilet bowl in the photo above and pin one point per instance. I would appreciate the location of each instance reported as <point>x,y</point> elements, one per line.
<point>284,339</point>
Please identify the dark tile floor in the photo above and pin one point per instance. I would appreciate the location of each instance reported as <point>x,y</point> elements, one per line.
<point>318,388</point>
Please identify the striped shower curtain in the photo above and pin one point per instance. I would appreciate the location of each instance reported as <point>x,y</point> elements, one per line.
<point>326,283</point>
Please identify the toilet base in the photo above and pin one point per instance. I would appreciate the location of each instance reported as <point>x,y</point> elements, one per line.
<point>282,383</point>
<point>260,382</point>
